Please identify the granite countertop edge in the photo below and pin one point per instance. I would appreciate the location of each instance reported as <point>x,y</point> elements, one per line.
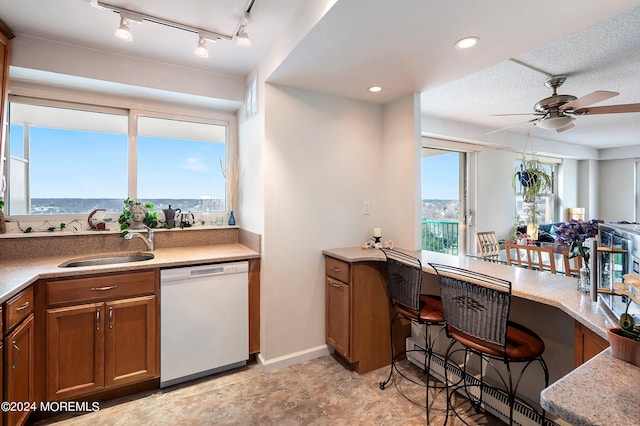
<point>17,274</point>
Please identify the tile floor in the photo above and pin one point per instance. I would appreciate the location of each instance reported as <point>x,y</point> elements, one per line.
<point>316,392</point>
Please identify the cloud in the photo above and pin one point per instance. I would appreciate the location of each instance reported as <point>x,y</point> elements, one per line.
<point>196,164</point>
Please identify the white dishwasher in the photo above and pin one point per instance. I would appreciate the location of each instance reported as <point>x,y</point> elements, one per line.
<point>204,320</point>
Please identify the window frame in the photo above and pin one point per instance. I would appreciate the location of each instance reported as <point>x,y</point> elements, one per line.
<point>131,108</point>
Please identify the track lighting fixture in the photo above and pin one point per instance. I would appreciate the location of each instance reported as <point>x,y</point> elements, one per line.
<point>127,16</point>
<point>201,50</point>
<point>242,38</point>
<point>124,32</point>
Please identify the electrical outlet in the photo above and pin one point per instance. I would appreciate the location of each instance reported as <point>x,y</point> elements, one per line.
<point>366,207</point>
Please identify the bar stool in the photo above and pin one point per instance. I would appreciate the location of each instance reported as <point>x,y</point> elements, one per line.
<point>476,312</point>
<point>404,281</point>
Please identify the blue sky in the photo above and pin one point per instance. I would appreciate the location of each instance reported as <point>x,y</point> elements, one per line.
<point>440,177</point>
<point>94,165</point>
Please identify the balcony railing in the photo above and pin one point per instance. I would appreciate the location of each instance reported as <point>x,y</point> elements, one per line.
<point>441,237</point>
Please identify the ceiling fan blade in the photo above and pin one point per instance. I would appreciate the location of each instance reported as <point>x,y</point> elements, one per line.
<point>513,125</point>
<point>567,127</point>
<point>524,113</point>
<point>590,99</point>
<point>608,109</point>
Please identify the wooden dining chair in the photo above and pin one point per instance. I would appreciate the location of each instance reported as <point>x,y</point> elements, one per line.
<point>531,257</point>
<point>572,265</point>
<point>488,243</point>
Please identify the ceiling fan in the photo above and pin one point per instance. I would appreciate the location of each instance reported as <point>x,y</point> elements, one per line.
<point>557,112</point>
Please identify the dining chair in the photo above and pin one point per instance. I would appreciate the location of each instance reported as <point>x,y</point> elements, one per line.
<point>531,257</point>
<point>572,265</point>
<point>488,243</point>
<point>404,280</point>
<point>476,311</point>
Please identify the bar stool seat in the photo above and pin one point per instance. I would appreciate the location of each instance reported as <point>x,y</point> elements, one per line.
<point>522,344</point>
<point>430,310</point>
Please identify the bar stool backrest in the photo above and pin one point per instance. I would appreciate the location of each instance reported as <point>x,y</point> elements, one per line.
<point>474,303</point>
<point>404,276</point>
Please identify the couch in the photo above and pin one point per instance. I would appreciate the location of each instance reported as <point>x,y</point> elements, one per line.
<point>546,232</point>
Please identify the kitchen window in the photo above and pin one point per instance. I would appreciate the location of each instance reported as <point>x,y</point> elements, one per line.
<point>71,159</point>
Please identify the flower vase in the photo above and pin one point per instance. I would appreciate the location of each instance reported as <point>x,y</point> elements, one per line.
<point>623,347</point>
<point>232,219</point>
<point>584,279</point>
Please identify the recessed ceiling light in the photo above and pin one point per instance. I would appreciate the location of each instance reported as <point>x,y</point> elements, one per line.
<point>375,89</point>
<point>467,42</point>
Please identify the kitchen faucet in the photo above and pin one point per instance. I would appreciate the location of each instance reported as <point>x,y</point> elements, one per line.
<point>148,242</point>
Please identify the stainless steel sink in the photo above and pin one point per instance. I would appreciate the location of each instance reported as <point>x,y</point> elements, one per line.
<point>108,260</point>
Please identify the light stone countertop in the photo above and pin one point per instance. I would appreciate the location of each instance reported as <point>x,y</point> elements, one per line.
<point>603,391</point>
<point>16,274</point>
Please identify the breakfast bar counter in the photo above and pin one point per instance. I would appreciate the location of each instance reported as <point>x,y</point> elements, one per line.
<point>601,391</point>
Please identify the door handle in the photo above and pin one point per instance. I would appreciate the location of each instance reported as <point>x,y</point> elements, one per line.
<point>110,317</point>
<point>15,360</point>
<point>98,319</point>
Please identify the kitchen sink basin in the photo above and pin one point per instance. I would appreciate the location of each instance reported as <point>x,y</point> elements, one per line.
<point>108,260</point>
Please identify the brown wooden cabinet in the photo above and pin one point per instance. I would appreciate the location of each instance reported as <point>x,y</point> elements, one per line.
<point>18,357</point>
<point>587,344</point>
<point>20,365</point>
<point>358,314</point>
<point>110,341</point>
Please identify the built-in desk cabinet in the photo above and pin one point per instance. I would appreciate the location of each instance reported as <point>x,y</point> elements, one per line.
<point>587,344</point>
<point>358,314</point>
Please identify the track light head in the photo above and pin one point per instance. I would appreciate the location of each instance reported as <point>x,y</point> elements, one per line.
<point>123,32</point>
<point>242,38</point>
<point>201,50</point>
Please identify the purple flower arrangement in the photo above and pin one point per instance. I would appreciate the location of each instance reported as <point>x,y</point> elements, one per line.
<point>575,232</point>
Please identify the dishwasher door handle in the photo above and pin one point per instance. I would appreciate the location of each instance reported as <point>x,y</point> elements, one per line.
<point>218,270</point>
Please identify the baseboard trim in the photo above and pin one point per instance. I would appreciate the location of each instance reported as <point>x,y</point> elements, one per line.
<point>280,362</point>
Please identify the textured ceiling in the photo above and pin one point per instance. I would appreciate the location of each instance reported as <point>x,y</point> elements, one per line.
<point>605,56</point>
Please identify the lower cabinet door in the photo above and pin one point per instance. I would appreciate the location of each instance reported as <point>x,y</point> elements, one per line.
<point>19,369</point>
<point>131,340</point>
<point>75,350</point>
<point>337,316</point>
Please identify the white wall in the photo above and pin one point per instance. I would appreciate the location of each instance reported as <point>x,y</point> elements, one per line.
<point>401,172</point>
<point>616,190</point>
<point>567,188</point>
<point>495,210</point>
<point>322,158</point>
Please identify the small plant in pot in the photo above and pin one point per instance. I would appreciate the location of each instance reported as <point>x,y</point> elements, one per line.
<point>625,341</point>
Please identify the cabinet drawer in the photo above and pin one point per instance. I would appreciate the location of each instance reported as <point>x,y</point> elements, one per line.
<point>337,269</point>
<point>100,287</point>
<point>18,308</point>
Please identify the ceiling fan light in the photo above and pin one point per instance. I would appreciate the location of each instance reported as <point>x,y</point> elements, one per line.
<point>554,122</point>
<point>123,32</point>
<point>201,49</point>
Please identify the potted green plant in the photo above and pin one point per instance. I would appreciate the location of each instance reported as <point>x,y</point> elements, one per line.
<point>531,179</point>
<point>126,219</point>
<point>625,341</point>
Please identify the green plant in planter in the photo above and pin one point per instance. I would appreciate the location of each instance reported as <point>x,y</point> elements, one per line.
<point>532,179</point>
<point>626,321</point>
<point>150,217</point>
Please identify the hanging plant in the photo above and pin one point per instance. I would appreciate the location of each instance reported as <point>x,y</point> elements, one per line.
<point>531,179</point>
